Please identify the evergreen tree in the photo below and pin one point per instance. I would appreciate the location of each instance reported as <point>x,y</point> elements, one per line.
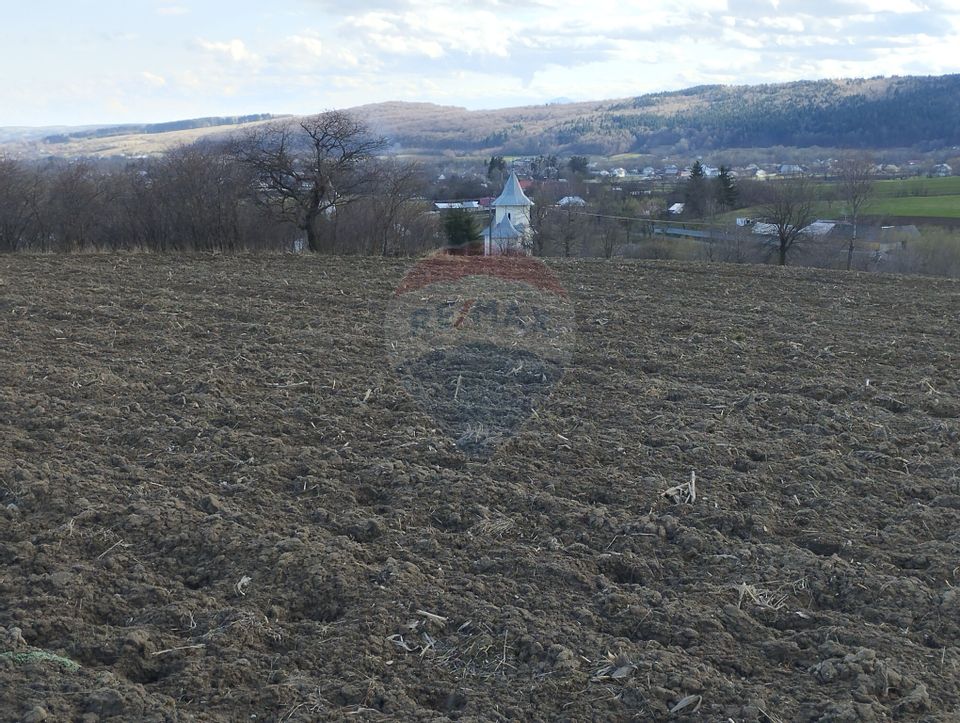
<point>463,234</point>
<point>578,164</point>
<point>497,168</point>
<point>726,190</point>
<point>695,192</point>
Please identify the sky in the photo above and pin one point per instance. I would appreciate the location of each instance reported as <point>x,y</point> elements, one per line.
<point>83,62</point>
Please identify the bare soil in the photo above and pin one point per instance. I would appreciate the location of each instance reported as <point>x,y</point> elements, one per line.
<point>218,502</point>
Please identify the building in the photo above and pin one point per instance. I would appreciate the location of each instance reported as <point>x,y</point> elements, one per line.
<point>457,205</point>
<point>510,226</point>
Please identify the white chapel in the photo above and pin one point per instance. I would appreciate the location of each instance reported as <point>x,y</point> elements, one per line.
<point>510,226</point>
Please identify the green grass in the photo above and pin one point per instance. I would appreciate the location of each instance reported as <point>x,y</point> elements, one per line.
<point>911,197</point>
<point>891,208</point>
<point>910,187</point>
<point>932,197</point>
<point>942,206</point>
<point>37,654</point>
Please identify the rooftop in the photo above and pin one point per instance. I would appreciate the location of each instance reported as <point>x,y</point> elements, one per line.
<point>513,194</point>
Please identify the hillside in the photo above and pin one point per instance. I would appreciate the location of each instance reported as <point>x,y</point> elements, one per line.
<point>908,112</point>
<point>921,113</point>
<point>155,128</point>
<point>219,500</point>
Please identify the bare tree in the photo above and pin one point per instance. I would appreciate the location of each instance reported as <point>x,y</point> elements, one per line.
<point>569,231</point>
<point>855,189</point>
<point>393,221</point>
<point>539,227</point>
<point>203,192</point>
<point>399,185</point>
<point>308,168</point>
<point>16,183</point>
<point>75,203</point>
<point>790,207</point>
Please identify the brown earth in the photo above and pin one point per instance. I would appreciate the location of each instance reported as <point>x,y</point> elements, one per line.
<point>219,503</point>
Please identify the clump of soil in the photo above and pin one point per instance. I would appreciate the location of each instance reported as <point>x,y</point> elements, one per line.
<point>219,501</point>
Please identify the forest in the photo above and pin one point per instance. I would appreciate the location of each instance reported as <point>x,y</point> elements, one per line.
<point>921,113</point>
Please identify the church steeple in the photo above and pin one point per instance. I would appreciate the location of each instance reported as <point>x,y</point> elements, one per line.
<point>513,203</point>
<point>511,220</point>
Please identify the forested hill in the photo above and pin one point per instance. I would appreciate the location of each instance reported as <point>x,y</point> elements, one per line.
<point>902,112</point>
<point>878,113</point>
<point>921,113</point>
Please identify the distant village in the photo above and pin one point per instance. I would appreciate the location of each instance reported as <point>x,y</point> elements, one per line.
<point>532,174</point>
<point>507,225</point>
<point>758,171</point>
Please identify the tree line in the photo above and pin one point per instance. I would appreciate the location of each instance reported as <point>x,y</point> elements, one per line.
<point>316,182</point>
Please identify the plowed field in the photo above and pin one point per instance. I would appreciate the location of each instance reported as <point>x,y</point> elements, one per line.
<point>218,501</point>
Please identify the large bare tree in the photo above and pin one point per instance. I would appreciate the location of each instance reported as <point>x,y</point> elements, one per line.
<point>308,167</point>
<point>790,205</point>
<point>855,189</point>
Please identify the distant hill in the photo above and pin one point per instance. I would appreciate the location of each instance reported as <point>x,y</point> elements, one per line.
<point>24,134</point>
<point>916,112</point>
<point>112,141</point>
<point>152,128</point>
<point>899,112</point>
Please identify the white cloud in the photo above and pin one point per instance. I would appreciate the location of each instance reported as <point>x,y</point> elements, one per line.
<point>300,55</point>
<point>893,6</point>
<point>157,81</point>
<point>403,45</point>
<point>235,49</point>
<point>310,45</point>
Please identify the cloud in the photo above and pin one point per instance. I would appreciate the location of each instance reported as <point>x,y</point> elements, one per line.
<point>298,55</point>
<point>304,53</point>
<point>234,49</point>
<point>310,45</point>
<point>482,55</point>
<point>157,81</point>
<point>521,51</point>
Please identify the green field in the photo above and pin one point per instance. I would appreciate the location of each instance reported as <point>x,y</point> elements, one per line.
<point>932,206</point>
<point>912,197</point>
<point>933,197</point>
<point>912,187</point>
